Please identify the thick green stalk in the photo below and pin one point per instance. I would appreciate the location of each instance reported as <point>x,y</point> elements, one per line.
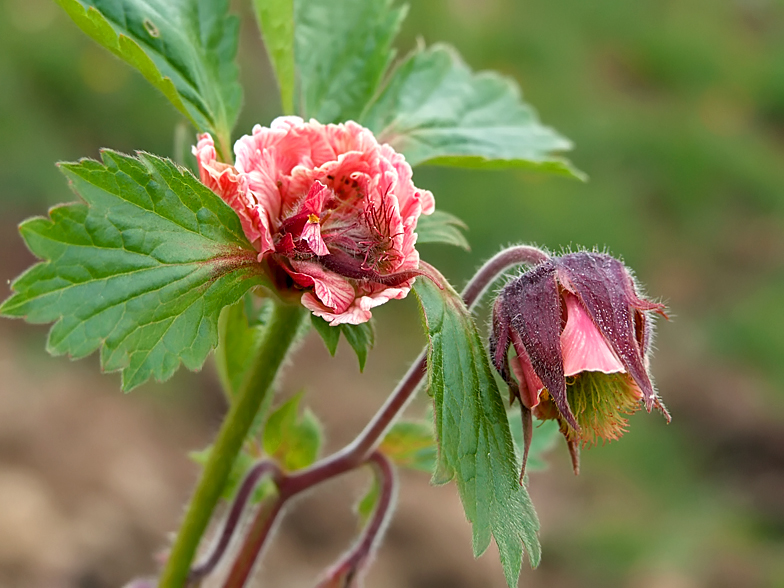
<point>279,335</point>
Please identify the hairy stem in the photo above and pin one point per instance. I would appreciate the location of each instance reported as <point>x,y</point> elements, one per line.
<point>494,268</point>
<point>349,565</point>
<point>279,335</point>
<point>249,484</point>
<point>255,538</point>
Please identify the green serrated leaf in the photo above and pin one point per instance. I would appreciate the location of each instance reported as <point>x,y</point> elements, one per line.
<point>411,444</point>
<point>545,435</point>
<point>294,441</point>
<point>475,444</point>
<point>186,49</point>
<point>435,110</point>
<point>330,335</point>
<point>361,338</point>
<point>141,269</point>
<point>342,49</point>
<point>442,227</point>
<point>276,20</point>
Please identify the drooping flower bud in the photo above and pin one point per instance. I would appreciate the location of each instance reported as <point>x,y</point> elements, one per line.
<point>331,212</point>
<point>581,336</point>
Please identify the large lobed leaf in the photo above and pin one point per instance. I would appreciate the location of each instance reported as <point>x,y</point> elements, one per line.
<point>475,444</point>
<point>185,48</point>
<point>276,20</point>
<point>435,110</point>
<point>432,107</point>
<point>342,49</point>
<point>141,269</point>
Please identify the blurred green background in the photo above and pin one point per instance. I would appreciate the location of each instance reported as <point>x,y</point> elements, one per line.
<point>676,109</point>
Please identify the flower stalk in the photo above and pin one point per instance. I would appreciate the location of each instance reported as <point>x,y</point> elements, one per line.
<point>279,335</point>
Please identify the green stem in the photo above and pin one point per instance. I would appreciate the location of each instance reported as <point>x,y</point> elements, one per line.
<point>279,335</point>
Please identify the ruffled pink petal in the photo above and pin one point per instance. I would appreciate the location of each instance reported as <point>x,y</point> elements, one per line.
<point>413,202</point>
<point>311,234</point>
<point>583,346</point>
<point>232,186</point>
<point>354,315</point>
<point>333,291</point>
<point>350,136</point>
<point>356,193</point>
<point>359,311</point>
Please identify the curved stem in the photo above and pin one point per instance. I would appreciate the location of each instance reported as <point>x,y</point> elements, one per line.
<point>494,267</point>
<point>381,514</point>
<point>349,565</point>
<point>249,484</point>
<point>257,535</point>
<point>279,335</point>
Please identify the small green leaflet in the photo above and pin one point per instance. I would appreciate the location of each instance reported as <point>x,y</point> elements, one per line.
<point>141,269</point>
<point>360,337</point>
<point>292,440</point>
<point>364,508</point>
<point>411,444</point>
<point>442,227</point>
<point>342,49</point>
<point>475,445</point>
<point>276,20</point>
<point>435,110</point>
<point>185,48</point>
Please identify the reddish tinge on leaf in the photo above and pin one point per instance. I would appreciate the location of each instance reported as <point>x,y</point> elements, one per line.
<point>331,212</point>
<point>581,336</point>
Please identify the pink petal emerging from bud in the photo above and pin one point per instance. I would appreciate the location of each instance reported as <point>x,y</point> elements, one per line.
<point>606,290</point>
<point>581,335</point>
<point>530,384</point>
<point>583,346</point>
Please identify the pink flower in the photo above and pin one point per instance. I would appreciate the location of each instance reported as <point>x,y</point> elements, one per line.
<point>581,337</point>
<point>331,212</point>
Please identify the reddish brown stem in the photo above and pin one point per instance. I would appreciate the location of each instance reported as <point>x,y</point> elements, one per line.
<point>249,484</point>
<point>253,542</point>
<point>349,565</point>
